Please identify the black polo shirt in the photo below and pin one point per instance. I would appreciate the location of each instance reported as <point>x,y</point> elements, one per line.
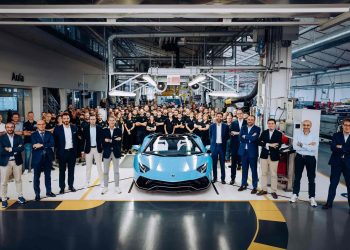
<point>29,126</point>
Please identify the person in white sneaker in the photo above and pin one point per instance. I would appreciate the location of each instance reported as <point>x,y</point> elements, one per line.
<point>112,142</point>
<point>306,145</point>
<point>92,143</point>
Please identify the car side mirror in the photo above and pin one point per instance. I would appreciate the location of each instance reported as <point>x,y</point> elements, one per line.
<point>208,149</point>
<point>136,147</point>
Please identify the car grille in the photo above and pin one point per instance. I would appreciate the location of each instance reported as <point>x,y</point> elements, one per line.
<point>182,186</point>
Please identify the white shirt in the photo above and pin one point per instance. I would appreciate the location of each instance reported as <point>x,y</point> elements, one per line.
<point>305,140</point>
<point>240,122</point>
<point>111,130</point>
<point>346,136</point>
<point>93,136</point>
<point>11,141</point>
<point>249,128</point>
<point>2,127</point>
<point>68,136</point>
<point>270,136</point>
<point>218,133</point>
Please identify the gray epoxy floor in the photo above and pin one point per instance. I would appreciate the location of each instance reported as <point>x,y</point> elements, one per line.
<point>316,229</point>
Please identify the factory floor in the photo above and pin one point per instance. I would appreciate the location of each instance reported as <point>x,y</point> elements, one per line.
<point>217,218</point>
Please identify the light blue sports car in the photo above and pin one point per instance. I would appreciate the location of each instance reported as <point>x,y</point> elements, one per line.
<point>177,163</point>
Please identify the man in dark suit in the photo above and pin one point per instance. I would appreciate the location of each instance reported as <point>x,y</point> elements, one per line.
<point>112,144</point>
<point>11,148</point>
<point>92,146</point>
<point>218,134</point>
<point>340,162</point>
<point>66,144</point>
<point>42,157</point>
<point>270,140</point>
<point>235,129</point>
<point>248,150</point>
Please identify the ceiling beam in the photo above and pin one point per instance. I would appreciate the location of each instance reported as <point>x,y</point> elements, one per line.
<point>171,11</point>
<point>335,21</point>
<point>163,24</point>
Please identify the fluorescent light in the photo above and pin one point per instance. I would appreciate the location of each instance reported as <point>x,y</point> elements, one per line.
<point>197,79</point>
<point>150,80</point>
<point>224,94</point>
<point>303,59</point>
<point>121,93</point>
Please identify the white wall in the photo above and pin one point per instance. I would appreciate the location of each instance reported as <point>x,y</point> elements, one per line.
<point>44,66</point>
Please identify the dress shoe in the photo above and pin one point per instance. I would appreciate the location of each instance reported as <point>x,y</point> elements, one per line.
<point>72,189</point>
<point>37,197</point>
<point>52,168</point>
<point>326,206</point>
<point>261,192</point>
<point>223,182</point>
<point>214,180</point>
<point>254,191</point>
<point>239,167</point>
<point>232,182</point>
<point>241,188</point>
<point>229,166</point>
<point>274,195</point>
<point>62,191</point>
<point>50,194</point>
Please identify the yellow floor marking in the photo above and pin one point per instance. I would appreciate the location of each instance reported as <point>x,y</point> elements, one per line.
<point>90,189</point>
<point>97,179</point>
<point>10,202</point>
<point>267,210</point>
<point>258,246</point>
<point>264,210</point>
<point>79,205</point>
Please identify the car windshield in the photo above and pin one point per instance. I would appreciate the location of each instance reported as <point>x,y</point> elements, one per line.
<point>172,146</point>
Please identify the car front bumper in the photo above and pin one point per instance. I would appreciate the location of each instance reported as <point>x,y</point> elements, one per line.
<point>181,186</point>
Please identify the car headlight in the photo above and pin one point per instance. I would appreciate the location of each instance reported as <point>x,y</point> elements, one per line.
<point>203,168</point>
<point>143,168</point>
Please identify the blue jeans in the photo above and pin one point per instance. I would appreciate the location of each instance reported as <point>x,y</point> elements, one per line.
<point>27,156</point>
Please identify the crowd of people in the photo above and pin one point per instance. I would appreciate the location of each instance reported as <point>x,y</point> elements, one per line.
<point>91,136</point>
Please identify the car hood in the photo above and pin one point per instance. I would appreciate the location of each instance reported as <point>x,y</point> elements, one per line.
<point>171,164</point>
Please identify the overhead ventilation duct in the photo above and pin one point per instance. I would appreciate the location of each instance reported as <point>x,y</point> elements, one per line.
<point>235,99</point>
<point>330,40</point>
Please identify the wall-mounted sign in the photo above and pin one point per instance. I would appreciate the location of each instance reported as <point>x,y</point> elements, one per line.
<point>17,77</point>
<point>173,79</point>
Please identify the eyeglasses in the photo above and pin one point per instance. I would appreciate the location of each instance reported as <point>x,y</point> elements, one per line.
<point>306,125</point>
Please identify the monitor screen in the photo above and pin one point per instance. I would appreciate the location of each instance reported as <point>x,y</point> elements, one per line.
<point>7,103</point>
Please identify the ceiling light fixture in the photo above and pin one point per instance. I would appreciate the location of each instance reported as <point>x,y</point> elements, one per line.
<point>197,79</point>
<point>150,80</point>
<point>121,93</point>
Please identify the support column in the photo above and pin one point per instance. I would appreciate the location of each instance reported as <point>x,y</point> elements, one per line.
<point>37,102</point>
<point>277,85</point>
<point>63,99</point>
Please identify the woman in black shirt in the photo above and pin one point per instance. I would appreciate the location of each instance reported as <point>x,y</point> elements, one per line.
<point>151,125</point>
<point>205,130</point>
<point>129,125</point>
<point>190,123</point>
<point>169,124</point>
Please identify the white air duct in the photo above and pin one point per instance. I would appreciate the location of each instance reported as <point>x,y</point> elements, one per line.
<point>122,93</point>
